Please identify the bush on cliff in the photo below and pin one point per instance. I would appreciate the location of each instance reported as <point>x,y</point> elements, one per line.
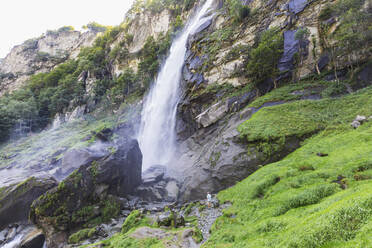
<point>264,58</point>
<point>237,10</point>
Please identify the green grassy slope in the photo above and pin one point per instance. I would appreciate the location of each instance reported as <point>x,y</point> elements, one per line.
<point>305,200</point>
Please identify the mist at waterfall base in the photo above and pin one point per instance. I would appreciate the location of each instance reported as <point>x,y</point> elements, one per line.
<point>157,136</point>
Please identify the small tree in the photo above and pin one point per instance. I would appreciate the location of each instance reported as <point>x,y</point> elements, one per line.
<point>238,11</point>
<point>264,59</point>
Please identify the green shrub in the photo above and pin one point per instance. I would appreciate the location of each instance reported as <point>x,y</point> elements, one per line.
<point>111,209</point>
<point>197,235</point>
<point>133,220</point>
<point>237,10</point>
<point>95,27</point>
<point>81,235</point>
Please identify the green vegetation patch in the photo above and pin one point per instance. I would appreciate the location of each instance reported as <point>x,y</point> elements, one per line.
<point>306,200</point>
<point>301,118</point>
<point>82,235</point>
<point>134,220</point>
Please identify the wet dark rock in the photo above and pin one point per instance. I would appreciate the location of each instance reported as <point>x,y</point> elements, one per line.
<point>185,125</point>
<point>297,6</point>
<point>15,200</point>
<point>197,35</point>
<point>3,234</point>
<point>192,79</point>
<point>203,26</point>
<point>104,135</point>
<point>11,233</point>
<point>236,103</point>
<point>291,46</point>
<point>340,75</point>
<point>187,75</point>
<point>266,86</point>
<point>323,62</point>
<point>365,76</point>
<point>34,239</point>
<point>195,63</point>
<point>94,185</point>
<point>329,21</point>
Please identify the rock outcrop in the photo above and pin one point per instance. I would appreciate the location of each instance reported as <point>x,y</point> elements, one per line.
<point>16,200</point>
<point>89,193</point>
<point>41,55</point>
<point>216,157</point>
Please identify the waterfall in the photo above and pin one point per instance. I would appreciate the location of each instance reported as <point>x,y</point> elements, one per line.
<point>158,122</point>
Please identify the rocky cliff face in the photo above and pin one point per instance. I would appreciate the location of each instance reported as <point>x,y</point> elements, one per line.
<point>41,55</point>
<point>217,85</point>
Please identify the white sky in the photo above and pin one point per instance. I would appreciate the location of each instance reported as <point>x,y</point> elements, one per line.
<point>24,19</point>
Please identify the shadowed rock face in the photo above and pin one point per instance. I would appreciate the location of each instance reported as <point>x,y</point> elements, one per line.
<point>15,200</point>
<point>297,6</point>
<point>215,157</point>
<point>94,186</point>
<point>290,48</point>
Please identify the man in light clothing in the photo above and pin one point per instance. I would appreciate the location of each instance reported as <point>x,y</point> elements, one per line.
<point>209,199</point>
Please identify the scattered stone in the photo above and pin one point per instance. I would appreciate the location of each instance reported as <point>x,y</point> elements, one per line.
<point>320,154</point>
<point>340,180</point>
<point>355,124</point>
<point>3,235</point>
<point>11,234</point>
<point>361,118</point>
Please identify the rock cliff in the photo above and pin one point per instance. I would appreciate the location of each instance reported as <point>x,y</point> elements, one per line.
<point>41,55</point>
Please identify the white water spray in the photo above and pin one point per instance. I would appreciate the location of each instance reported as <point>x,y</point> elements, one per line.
<point>157,132</point>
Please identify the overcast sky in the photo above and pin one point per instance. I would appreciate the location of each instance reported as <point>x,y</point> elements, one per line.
<point>24,19</point>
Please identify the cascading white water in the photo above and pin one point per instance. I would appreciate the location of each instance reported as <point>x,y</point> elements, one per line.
<point>157,131</point>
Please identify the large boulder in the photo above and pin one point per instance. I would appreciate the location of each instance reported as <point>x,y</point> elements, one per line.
<point>75,158</point>
<point>15,200</point>
<point>90,193</point>
<point>34,239</point>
